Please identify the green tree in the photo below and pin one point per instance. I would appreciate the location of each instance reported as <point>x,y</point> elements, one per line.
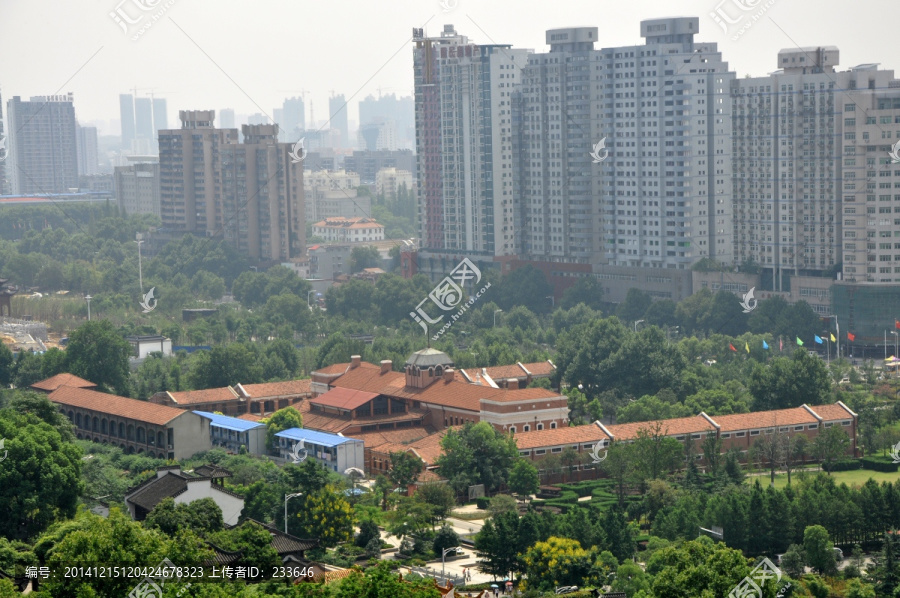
<point>281,420</point>
<point>368,530</point>
<point>381,582</point>
<point>445,538</point>
<point>654,453</point>
<point>887,571</point>
<point>794,561</point>
<point>441,498</point>
<point>362,258</point>
<point>586,290</point>
<point>226,365</point>
<point>502,503</point>
<point>497,546</point>
<point>406,468</point>
<point>524,479</point>
<point>97,352</point>
<point>830,445</point>
<point>6,366</point>
<point>201,516</point>
<point>476,454</point>
<point>40,479</point>
<point>526,286</point>
<point>631,579</point>
<point>699,568</point>
<point>818,548</point>
<point>635,305</point>
<point>619,464</point>
<point>789,382</point>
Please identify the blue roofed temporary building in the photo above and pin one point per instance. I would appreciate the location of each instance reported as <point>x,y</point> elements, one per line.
<point>231,433</point>
<point>338,453</point>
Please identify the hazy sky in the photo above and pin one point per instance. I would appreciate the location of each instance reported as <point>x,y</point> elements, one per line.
<point>205,54</point>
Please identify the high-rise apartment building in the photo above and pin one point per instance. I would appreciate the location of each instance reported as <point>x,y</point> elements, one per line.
<point>42,154</point>
<point>398,111</point>
<point>142,119</point>
<point>160,115</point>
<point>262,196</point>
<point>4,153</point>
<point>801,165</point>
<point>190,175</point>
<point>337,109</point>
<point>666,192</point>
<point>137,186</point>
<point>226,118</point>
<point>86,150</point>
<point>464,123</point>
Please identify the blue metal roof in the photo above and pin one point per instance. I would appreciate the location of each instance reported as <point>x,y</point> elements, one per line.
<point>229,423</point>
<point>315,437</point>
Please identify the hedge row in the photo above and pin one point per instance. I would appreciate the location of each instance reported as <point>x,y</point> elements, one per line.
<point>876,464</point>
<point>843,465</point>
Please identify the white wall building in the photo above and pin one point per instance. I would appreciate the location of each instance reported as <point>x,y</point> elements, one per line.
<point>336,452</point>
<point>349,230</point>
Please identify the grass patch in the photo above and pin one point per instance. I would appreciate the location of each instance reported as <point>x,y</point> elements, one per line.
<point>856,477</point>
<point>469,516</point>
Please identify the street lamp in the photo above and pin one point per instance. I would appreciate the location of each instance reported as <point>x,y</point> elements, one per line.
<point>552,300</point>
<point>443,555</point>
<point>636,324</point>
<point>88,299</point>
<point>140,241</point>
<point>286,499</point>
<point>495,316</point>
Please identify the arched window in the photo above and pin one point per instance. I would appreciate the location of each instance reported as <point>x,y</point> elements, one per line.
<point>121,430</point>
<point>552,425</point>
<point>103,425</point>
<point>78,419</point>
<point>512,429</point>
<point>540,426</point>
<point>526,428</point>
<point>159,440</point>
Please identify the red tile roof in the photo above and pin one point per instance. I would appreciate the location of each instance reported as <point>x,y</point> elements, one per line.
<point>559,436</point>
<point>100,402</point>
<point>832,412</point>
<point>250,417</point>
<point>504,372</point>
<point>427,448</point>
<point>764,419</point>
<point>524,394</point>
<point>669,427</point>
<point>403,436</point>
<point>344,398</point>
<point>209,395</point>
<point>276,389</point>
<point>540,368</point>
<point>54,382</point>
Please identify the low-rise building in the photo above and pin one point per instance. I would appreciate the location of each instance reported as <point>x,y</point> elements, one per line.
<point>349,230</point>
<point>232,433</point>
<point>184,487</point>
<point>134,426</point>
<point>336,452</point>
<point>224,400</point>
<point>143,346</point>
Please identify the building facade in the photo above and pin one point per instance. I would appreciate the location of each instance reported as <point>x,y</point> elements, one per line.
<point>336,452</point>
<point>42,155</point>
<point>389,181</point>
<point>137,186</point>
<point>349,230</point>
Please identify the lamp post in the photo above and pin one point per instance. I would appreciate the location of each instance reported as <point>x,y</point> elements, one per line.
<point>896,336</point>
<point>636,324</point>
<point>837,328</point>
<point>286,499</point>
<point>140,241</point>
<point>496,311</point>
<point>552,300</point>
<point>88,299</point>
<point>443,555</point>
<point>307,298</point>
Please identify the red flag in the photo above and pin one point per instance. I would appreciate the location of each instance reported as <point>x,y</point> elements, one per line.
<point>730,346</point>
<point>851,337</point>
<point>780,345</point>
<point>897,324</point>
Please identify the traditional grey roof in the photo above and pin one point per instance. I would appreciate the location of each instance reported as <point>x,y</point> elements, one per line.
<point>212,471</point>
<point>429,357</point>
<point>151,494</point>
<point>222,556</point>
<point>285,543</point>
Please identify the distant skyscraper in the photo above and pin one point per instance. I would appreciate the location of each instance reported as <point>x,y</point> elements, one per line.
<point>464,147</point>
<point>126,116</point>
<point>278,117</point>
<point>143,118</point>
<point>337,109</point>
<point>257,119</point>
<point>160,115</point>
<point>4,153</point>
<point>226,118</point>
<point>400,111</point>
<point>42,147</point>
<point>86,150</point>
<point>294,119</point>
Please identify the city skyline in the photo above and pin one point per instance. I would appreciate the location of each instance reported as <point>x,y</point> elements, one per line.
<point>104,61</point>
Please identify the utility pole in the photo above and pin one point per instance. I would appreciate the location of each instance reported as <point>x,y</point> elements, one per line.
<point>140,241</point>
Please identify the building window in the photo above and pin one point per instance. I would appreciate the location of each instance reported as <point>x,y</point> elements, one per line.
<point>726,435</point>
<point>540,426</point>
<point>845,423</point>
<point>540,451</point>
<point>526,428</point>
<point>552,425</point>
<point>812,426</point>
<point>754,432</point>
<point>740,434</point>
<point>512,430</point>
<point>798,428</point>
<point>556,450</point>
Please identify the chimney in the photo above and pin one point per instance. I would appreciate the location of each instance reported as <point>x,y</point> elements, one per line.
<point>448,374</point>
<point>355,360</point>
<point>513,384</point>
<point>386,365</point>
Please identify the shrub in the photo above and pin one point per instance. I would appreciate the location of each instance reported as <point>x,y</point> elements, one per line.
<point>878,464</point>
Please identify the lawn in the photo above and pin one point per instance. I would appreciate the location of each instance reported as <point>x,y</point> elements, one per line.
<point>856,477</point>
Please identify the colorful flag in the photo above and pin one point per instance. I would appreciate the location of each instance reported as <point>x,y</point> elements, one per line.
<point>818,339</point>
<point>851,337</point>
<point>834,340</point>
<point>780,345</point>
<point>747,346</point>
<point>897,324</point>
<point>799,342</point>
<point>765,345</point>
<point>730,346</point>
